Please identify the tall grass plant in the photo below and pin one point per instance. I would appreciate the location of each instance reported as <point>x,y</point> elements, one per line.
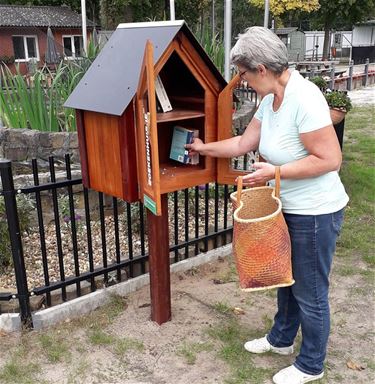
<point>36,101</point>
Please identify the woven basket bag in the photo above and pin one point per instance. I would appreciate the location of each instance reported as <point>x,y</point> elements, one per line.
<point>261,242</point>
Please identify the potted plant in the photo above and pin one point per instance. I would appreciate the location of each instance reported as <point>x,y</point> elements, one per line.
<point>339,104</point>
<point>338,101</point>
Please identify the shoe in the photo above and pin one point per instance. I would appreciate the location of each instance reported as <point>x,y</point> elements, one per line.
<point>292,375</point>
<point>262,345</point>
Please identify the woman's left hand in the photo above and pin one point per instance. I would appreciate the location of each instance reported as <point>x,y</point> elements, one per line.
<point>263,173</point>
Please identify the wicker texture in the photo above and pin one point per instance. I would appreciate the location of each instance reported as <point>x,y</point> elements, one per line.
<point>261,242</point>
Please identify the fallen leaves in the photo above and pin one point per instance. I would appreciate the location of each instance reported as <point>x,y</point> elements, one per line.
<point>238,311</point>
<point>355,366</point>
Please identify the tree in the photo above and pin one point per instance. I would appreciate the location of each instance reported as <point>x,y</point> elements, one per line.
<point>333,14</point>
<point>278,7</point>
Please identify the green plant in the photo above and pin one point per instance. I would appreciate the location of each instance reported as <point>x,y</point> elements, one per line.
<point>7,60</point>
<point>25,207</point>
<point>319,82</point>
<point>338,100</point>
<point>37,101</point>
<point>214,47</point>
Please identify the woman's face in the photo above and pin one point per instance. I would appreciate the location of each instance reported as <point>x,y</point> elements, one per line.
<point>258,79</point>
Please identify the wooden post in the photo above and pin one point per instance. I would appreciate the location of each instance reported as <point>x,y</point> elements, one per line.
<point>160,286</point>
<point>365,80</point>
<point>350,78</point>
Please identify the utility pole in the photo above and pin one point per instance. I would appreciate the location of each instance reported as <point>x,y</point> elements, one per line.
<point>84,30</point>
<point>266,12</point>
<point>227,38</point>
<point>213,20</point>
<point>171,6</point>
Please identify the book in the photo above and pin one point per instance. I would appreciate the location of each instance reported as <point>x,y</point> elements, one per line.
<point>194,159</point>
<point>162,95</point>
<point>181,137</point>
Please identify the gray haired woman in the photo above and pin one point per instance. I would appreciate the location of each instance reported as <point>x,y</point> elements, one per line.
<point>292,129</point>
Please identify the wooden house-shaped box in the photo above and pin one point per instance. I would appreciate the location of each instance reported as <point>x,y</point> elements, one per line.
<point>124,140</point>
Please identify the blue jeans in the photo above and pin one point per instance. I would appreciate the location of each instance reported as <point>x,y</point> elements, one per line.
<point>305,303</point>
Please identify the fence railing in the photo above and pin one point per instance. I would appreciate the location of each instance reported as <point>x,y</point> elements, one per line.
<point>337,77</point>
<point>79,239</point>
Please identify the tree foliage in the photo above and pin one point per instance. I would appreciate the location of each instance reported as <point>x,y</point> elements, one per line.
<point>279,7</point>
<point>341,13</point>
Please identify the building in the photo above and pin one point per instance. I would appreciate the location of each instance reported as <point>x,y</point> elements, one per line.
<point>340,44</point>
<point>294,41</point>
<point>23,34</point>
<point>363,42</point>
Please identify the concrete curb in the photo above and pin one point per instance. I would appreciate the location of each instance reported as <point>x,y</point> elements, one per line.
<point>10,322</point>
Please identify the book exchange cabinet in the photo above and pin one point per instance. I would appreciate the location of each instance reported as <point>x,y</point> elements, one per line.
<point>124,135</point>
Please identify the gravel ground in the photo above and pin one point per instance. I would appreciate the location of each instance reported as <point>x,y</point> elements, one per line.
<point>33,255</point>
<point>363,96</point>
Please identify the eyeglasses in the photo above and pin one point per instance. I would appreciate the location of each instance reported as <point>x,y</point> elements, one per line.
<point>242,74</point>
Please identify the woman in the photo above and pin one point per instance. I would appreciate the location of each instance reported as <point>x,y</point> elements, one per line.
<point>292,129</point>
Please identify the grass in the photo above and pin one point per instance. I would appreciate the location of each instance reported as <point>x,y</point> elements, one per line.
<point>222,308</point>
<point>190,350</point>
<point>358,176</point>
<point>125,345</point>
<point>15,372</point>
<point>55,349</point>
<point>231,335</point>
<point>99,337</point>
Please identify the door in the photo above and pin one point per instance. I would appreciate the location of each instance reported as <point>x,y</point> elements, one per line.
<point>147,136</point>
<point>227,171</point>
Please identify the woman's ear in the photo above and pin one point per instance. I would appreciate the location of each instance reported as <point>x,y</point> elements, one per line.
<point>262,69</point>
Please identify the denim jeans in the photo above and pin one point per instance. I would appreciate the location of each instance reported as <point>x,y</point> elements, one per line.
<point>305,303</point>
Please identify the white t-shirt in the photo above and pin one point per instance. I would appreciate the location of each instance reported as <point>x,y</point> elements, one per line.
<point>303,109</point>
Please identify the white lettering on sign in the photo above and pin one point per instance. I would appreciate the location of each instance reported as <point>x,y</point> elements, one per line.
<point>148,153</point>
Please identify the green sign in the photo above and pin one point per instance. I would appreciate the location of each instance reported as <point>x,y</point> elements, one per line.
<point>149,203</point>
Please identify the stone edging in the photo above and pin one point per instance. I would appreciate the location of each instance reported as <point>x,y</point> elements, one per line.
<point>10,322</point>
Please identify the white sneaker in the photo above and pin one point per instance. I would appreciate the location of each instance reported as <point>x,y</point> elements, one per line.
<point>262,345</point>
<point>292,375</point>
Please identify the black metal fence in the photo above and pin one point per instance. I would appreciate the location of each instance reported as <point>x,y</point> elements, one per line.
<point>95,240</point>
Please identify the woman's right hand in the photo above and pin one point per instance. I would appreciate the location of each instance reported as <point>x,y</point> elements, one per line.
<point>195,147</point>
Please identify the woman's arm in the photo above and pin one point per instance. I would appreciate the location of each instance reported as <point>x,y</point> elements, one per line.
<point>235,146</point>
<point>324,156</point>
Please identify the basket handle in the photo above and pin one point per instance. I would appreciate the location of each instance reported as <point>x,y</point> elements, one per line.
<point>277,181</point>
<point>277,184</point>
<point>239,188</point>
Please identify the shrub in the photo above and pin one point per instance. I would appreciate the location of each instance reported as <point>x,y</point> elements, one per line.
<point>25,208</point>
<point>319,82</point>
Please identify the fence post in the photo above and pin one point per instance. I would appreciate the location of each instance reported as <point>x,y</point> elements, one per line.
<point>15,240</point>
<point>365,80</point>
<point>350,78</point>
<point>332,82</point>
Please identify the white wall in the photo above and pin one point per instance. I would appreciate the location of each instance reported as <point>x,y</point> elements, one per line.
<point>364,36</point>
<point>314,38</point>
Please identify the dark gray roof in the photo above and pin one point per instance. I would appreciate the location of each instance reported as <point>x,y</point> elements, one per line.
<point>364,23</point>
<point>285,31</point>
<point>111,82</point>
<point>39,16</point>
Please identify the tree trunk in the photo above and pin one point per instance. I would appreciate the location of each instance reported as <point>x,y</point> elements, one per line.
<point>326,44</point>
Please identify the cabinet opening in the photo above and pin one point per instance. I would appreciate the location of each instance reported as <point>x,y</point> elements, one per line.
<point>165,135</point>
<point>182,88</point>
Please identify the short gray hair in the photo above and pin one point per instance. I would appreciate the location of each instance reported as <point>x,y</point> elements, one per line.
<point>259,45</point>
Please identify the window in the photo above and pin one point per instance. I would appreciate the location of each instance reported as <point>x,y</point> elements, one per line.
<point>73,46</point>
<point>25,48</point>
<point>338,39</point>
